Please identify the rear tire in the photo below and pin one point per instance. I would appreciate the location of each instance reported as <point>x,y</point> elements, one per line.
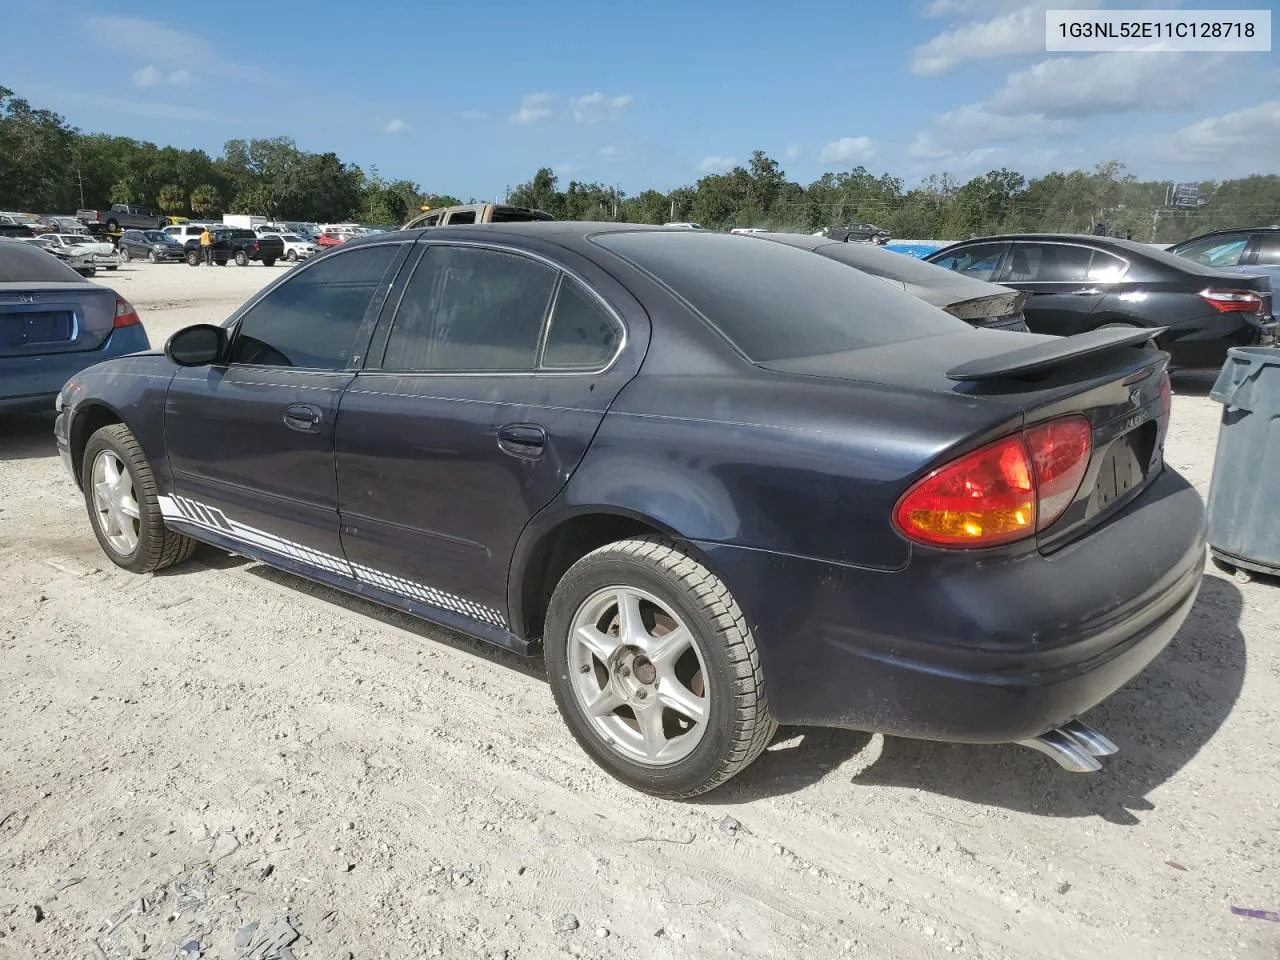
<point>124,509</point>
<point>269,263</point>
<point>242,258</point>
<point>714,672</point>
<point>221,263</point>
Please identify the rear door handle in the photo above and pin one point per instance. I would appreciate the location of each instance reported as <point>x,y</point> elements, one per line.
<point>524,440</point>
<point>302,417</point>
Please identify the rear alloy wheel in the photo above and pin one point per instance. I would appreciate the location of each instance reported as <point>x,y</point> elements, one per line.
<point>120,494</point>
<point>654,669</point>
<point>242,258</point>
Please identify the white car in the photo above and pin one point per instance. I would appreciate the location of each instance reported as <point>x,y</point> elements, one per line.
<point>79,250</point>
<point>684,225</point>
<point>295,247</point>
<point>748,230</point>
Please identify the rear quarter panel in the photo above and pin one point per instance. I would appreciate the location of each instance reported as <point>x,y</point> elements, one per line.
<point>797,465</point>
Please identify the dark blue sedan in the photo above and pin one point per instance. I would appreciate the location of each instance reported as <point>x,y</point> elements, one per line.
<point>719,485</point>
<point>53,324</point>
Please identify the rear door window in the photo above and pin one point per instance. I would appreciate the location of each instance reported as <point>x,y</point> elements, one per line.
<point>775,302</point>
<point>471,310</point>
<point>583,335</point>
<point>1031,262</point>
<point>978,261</point>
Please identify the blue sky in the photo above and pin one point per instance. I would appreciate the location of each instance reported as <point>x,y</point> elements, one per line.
<point>470,98</point>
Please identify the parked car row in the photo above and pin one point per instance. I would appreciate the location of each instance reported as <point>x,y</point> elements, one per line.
<point>1078,283</point>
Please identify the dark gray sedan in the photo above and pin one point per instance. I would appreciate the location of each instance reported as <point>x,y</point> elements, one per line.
<point>976,302</point>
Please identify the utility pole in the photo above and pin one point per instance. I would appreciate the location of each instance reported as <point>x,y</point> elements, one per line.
<point>80,179</point>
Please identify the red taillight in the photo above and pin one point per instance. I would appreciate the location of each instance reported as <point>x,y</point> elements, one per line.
<point>254,245</point>
<point>1002,492</point>
<point>1060,452</point>
<point>126,316</point>
<point>1232,301</point>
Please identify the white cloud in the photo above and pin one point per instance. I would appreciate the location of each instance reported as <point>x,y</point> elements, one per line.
<point>533,107</point>
<point>714,164</point>
<point>1111,83</point>
<point>1235,144</point>
<point>792,151</point>
<point>595,107</point>
<point>474,115</point>
<point>613,154</point>
<point>847,150</point>
<point>397,126</point>
<point>147,77</point>
<point>974,126</point>
<point>164,44</point>
<point>1020,30</point>
<point>131,34</point>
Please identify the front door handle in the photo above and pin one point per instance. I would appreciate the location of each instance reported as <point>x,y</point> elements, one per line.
<point>302,417</point>
<point>1086,292</point>
<point>524,440</point>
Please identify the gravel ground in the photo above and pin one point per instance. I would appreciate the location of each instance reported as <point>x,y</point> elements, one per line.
<point>183,756</point>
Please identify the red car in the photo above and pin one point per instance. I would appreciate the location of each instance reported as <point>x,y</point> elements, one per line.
<point>329,240</point>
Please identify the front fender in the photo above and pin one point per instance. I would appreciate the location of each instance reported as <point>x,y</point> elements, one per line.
<point>129,390</point>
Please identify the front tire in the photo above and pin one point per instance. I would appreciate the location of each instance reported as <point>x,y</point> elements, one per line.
<point>125,255</point>
<point>120,495</point>
<point>193,258</point>
<point>654,669</point>
<point>153,257</point>
<point>292,256</point>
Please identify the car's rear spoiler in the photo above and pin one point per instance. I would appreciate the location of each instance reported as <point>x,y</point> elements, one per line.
<point>1042,356</point>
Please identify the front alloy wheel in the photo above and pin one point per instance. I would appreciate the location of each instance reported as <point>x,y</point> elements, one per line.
<point>124,509</point>
<point>654,668</point>
<point>114,501</point>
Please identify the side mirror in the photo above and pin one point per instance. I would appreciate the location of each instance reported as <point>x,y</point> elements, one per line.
<point>198,345</point>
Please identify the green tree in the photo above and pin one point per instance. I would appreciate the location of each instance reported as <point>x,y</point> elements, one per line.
<point>171,199</point>
<point>206,201</point>
<point>121,192</point>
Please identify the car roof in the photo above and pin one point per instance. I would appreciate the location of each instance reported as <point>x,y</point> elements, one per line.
<point>1273,228</point>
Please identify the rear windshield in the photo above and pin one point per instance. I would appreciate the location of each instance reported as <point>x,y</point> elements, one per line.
<point>23,263</point>
<point>775,302</point>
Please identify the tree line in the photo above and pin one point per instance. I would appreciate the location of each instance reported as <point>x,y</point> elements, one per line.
<point>48,166</point>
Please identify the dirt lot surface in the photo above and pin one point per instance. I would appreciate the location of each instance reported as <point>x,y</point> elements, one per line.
<point>183,756</point>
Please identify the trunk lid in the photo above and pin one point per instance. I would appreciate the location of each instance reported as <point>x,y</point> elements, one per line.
<point>1109,377</point>
<point>45,318</point>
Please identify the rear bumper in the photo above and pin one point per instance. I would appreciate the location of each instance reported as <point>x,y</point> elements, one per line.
<point>1206,346</point>
<point>33,383</point>
<point>950,648</point>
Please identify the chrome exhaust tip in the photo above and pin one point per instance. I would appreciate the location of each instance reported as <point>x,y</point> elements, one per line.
<point>1074,746</point>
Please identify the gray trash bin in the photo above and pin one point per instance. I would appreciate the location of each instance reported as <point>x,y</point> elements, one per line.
<point>1244,513</point>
